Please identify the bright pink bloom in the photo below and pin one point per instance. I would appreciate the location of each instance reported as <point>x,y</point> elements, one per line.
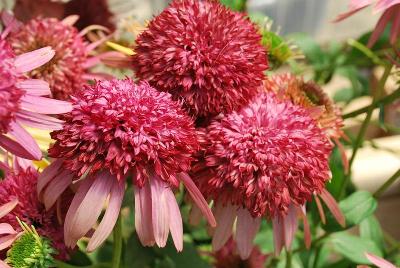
<point>22,100</point>
<point>20,185</point>
<point>378,261</point>
<point>391,13</point>
<point>7,231</point>
<point>266,160</point>
<point>67,71</point>
<point>203,53</point>
<point>119,129</point>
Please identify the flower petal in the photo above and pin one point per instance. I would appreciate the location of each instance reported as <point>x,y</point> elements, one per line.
<point>38,120</point>
<point>8,207</point>
<point>56,187</point>
<point>7,240</point>
<point>175,220</point>
<point>306,227</point>
<point>110,217</point>
<point>333,207</point>
<point>35,87</point>
<point>26,140</point>
<point>290,225</point>
<point>225,216</point>
<point>143,222</point>
<point>31,60</point>
<point>378,261</point>
<point>48,174</point>
<point>6,228</point>
<point>44,105</point>
<point>14,147</point>
<point>159,210</point>
<point>246,229</point>
<point>382,5</point>
<point>279,237</point>
<point>380,26</point>
<point>320,209</point>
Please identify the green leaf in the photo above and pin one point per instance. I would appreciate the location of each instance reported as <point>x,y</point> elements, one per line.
<point>371,229</point>
<point>353,248</point>
<point>137,256</point>
<point>355,208</point>
<point>237,5</point>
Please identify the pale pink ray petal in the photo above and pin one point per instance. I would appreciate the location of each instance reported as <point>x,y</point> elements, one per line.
<point>48,174</point>
<point>246,229</point>
<point>7,240</point>
<point>347,14</point>
<point>97,76</point>
<point>175,220</point>
<point>378,261</point>
<point>115,59</point>
<point>320,209</point>
<point>143,222</point>
<point>306,227</point>
<point>40,121</point>
<point>56,187</point>
<point>333,207</point>
<point>31,60</point>
<point>4,265</point>
<point>90,62</point>
<point>11,23</point>
<point>6,228</point>
<point>159,210</point>
<point>35,87</point>
<point>70,20</point>
<point>225,216</point>
<point>15,148</point>
<point>44,105</point>
<point>343,155</point>
<point>380,26</point>
<point>354,4</point>
<point>25,139</point>
<point>395,30</point>
<point>110,217</point>
<point>290,225</point>
<point>197,198</point>
<point>8,207</point>
<point>279,237</point>
<point>382,5</point>
<point>21,164</point>
<point>89,209</point>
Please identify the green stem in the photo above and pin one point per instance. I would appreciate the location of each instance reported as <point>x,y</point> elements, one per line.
<point>117,246</point>
<point>363,129</point>
<point>387,184</point>
<point>288,259</point>
<point>387,99</point>
<point>317,253</point>
<point>60,264</point>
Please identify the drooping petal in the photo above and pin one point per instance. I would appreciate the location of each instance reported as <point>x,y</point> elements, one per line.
<point>175,220</point>
<point>31,60</point>
<point>320,209</point>
<point>246,229</point>
<point>4,265</point>
<point>35,87</point>
<point>7,240</point>
<point>44,105</point>
<point>378,261</point>
<point>306,227</point>
<point>290,225</point>
<point>38,120</point>
<point>333,207</point>
<point>56,187</point>
<point>382,5</point>
<point>395,30</point>
<point>6,228</point>
<point>197,197</point>
<point>143,221</point>
<point>380,26</point>
<point>159,210</point>
<point>225,216</point>
<point>21,164</point>
<point>8,207</point>
<point>110,217</point>
<point>25,139</point>
<point>279,237</point>
<point>48,174</point>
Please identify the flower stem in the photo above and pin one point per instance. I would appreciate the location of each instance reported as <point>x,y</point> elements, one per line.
<point>288,259</point>
<point>387,184</point>
<point>363,129</point>
<point>117,246</point>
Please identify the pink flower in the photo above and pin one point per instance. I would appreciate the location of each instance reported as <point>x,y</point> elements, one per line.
<point>8,233</point>
<point>266,160</point>
<point>119,129</point>
<point>391,11</point>
<point>22,100</point>
<point>378,261</point>
<point>67,71</point>
<point>203,53</point>
<point>20,184</point>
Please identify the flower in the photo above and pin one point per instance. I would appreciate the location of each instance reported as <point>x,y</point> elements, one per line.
<point>266,160</point>
<point>227,257</point>
<point>67,71</point>
<point>20,184</point>
<point>8,234</point>
<point>119,129</point>
<point>391,11</point>
<point>378,261</point>
<point>22,99</point>
<point>203,53</point>
<point>311,97</point>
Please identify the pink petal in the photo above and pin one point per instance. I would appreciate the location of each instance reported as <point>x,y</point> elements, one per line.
<point>279,237</point>
<point>97,43</point>
<point>80,221</point>
<point>4,265</point>
<point>395,31</point>
<point>97,76</point>
<point>38,120</point>
<point>14,147</point>
<point>343,155</point>
<point>320,209</point>
<point>225,216</point>
<point>382,5</point>
<point>21,164</point>
<point>380,26</point>
<point>31,60</point>
<point>378,261</point>
<point>143,222</point>
<point>6,228</point>
<point>110,217</point>
<point>347,14</point>
<point>290,225</point>
<point>48,174</point>
<point>26,140</point>
<point>306,227</point>
<point>35,87</point>
<point>44,105</point>
<point>246,229</point>
<point>197,198</point>
<point>7,241</point>
<point>175,220</point>
<point>56,187</point>
<point>8,207</point>
<point>70,20</point>
<point>333,207</point>
<point>160,210</point>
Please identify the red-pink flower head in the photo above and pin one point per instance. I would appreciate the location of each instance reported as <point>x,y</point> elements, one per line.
<point>122,126</point>
<point>203,53</point>
<point>65,72</point>
<point>21,186</point>
<point>265,157</point>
